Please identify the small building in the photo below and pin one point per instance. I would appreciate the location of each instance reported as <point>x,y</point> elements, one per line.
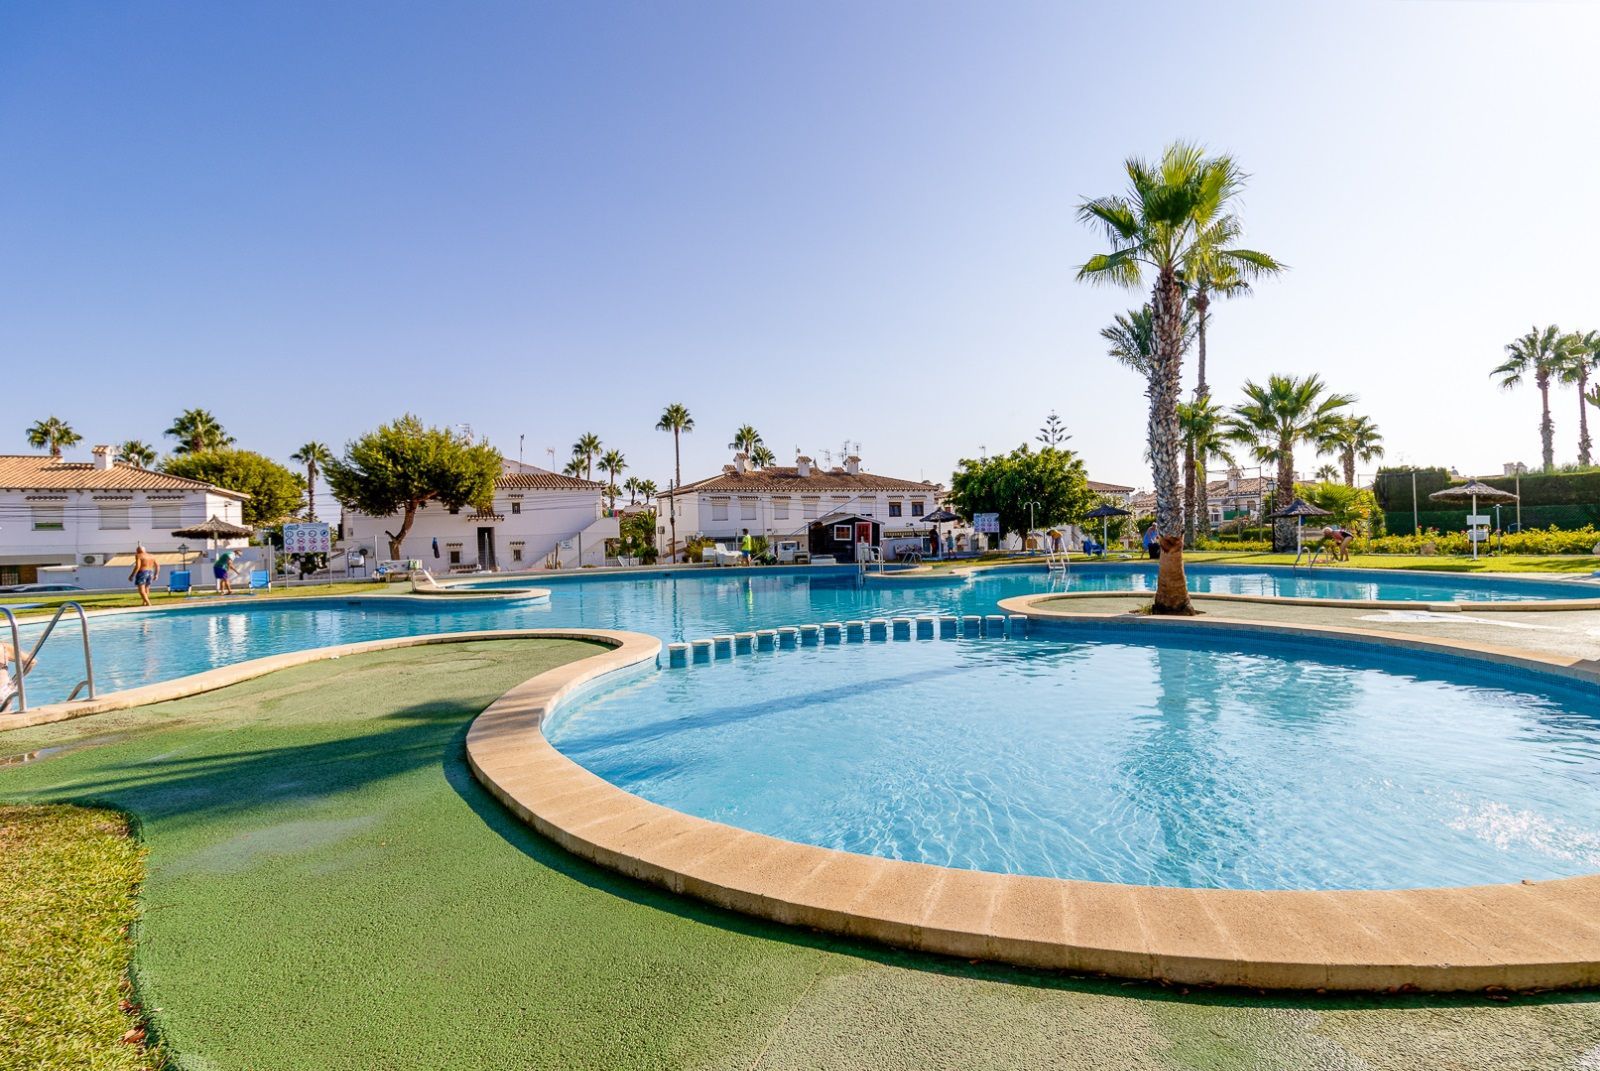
<point>537,518</point>
<point>838,534</point>
<point>1115,493</point>
<point>83,518</point>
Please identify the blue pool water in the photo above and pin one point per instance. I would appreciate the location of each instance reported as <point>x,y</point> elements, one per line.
<point>136,649</point>
<point>1220,762</point>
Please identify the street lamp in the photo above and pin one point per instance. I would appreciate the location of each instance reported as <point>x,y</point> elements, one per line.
<point>1030,504</point>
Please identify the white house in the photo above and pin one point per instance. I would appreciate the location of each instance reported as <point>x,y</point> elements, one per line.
<point>783,501</point>
<point>87,515</point>
<point>536,516</point>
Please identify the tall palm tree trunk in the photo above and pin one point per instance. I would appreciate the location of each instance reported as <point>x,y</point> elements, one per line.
<point>1584,442</point>
<point>1283,527</point>
<point>677,482</point>
<point>1188,493</point>
<point>1348,458</point>
<point>311,490</point>
<point>1202,498</point>
<point>1547,427</point>
<point>1172,589</point>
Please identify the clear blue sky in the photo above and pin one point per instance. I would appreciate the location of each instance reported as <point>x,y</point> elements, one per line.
<point>834,221</point>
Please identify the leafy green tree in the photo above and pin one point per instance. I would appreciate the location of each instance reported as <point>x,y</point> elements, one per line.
<point>612,463</point>
<point>1351,438</point>
<point>1580,354</point>
<point>274,490</point>
<point>197,430</point>
<point>587,448</point>
<point>676,419</point>
<point>1279,415</point>
<point>1540,353</point>
<point>313,455</point>
<point>137,452</point>
<point>1051,480</point>
<point>400,466</point>
<point>1205,435</point>
<point>1173,210</point>
<point>54,433</point>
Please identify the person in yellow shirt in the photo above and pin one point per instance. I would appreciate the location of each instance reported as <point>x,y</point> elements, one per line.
<point>747,544</point>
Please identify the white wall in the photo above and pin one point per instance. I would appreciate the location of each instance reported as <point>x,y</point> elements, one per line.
<point>546,518</point>
<point>82,518</point>
<point>696,512</point>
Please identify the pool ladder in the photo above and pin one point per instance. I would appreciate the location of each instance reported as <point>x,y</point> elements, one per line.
<point>26,664</point>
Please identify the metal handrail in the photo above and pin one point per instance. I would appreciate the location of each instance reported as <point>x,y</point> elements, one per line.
<point>25,664</point>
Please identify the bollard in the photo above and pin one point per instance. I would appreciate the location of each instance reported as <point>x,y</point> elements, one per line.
<point>927,628</point>
<point>677,654</point>
<point>809,635</point>
<point>788,636</point>
<point>994,626</point>
<point>947,628</point>
<point>901,627</point>
<point>744,642</point>
<point>971,626</point>
<point>855,631</point>
<point>832,632</point>
<point>878,628</point>
<point>1019,626</point>
<point>766,639</point>
<point>701,650</point>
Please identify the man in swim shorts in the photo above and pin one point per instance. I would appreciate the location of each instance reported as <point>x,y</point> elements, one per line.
<point>145,571</point>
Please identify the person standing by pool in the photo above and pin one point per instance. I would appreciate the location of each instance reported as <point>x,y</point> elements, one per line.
<point>144,573</point>
<point>8,655</point>
<point>1152,542</point>
<point>747,546</point>
<point>221,570</point>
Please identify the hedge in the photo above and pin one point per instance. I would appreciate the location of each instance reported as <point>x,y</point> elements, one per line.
<point>1566,500</point>
<point>1528,541</point>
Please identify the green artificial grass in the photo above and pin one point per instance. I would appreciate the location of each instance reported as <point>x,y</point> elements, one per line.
<point>328,888</point>
<point>47,602</point>
<point>67,904</point>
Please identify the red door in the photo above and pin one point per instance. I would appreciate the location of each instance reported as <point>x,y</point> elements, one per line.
<point>863,532</point>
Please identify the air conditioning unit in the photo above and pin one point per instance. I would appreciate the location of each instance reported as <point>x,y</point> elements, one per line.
<point>91,559</point>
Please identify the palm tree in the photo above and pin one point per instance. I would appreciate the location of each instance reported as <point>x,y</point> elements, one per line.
<point>52,432</point>
<point>1277,416</point>
<point>676,419</point>
<point>631,485</point>
<point>574,468</point>
<point>612,463</point>
<point>313,455</point>
<point>763,458</point>
<point>1580,353</point>
<point>137,452</point>
<point>1205,435</point>
<point>1207,273</point>
<point>647,491</point>
<point>1538,353</point>
<point>1171,211</point>
<point>585,449</point>
<point>745,440</point>
<point>1353,437</point>
<point>1326,473</point>
<point>198,431</point>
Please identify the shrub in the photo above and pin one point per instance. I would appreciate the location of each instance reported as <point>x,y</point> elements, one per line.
<point>1533,541</point>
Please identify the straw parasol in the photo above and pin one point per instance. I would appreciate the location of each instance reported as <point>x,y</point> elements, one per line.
<point>212,529</point>
<point>1299,509</point>
<point>934,520</point>
<point>1104,514</point>
<point>1471,491</point>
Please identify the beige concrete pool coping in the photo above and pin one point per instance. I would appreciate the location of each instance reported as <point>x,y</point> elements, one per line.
<point>1532,935</point>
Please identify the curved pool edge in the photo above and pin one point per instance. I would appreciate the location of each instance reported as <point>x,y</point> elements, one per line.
<point>1527,936</point>
<point>221,677</point>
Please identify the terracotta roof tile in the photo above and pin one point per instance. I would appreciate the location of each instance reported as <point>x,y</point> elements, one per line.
<point>540,480</point>
<point>787,479</point>
<point>41,472</point>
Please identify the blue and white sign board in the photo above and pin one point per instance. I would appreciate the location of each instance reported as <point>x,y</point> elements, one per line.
<point>987,523</point>
<point>307,538</point>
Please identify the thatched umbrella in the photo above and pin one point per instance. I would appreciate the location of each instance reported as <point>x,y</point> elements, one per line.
<point>934,520</point>
<point>1471,491</point>
<point>1299,509</point>
<point>213,529</point>
<point>1104,514</point>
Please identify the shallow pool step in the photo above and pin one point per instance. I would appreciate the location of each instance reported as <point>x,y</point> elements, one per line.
<point>834,633</point>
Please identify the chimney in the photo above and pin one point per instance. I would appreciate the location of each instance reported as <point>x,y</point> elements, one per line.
<point>852,465</point>
<point>802,466</point>
<point>740,462</point>
<point>1234,476</point>
<point>104,457</point>
<point>728,470</point>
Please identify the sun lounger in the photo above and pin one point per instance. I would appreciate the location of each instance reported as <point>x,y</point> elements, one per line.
<point>178,582</point>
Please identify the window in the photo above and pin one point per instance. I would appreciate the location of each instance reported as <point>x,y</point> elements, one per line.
<point>455,552</point>
<point>780,508</point>
<point>516,550</point>
<point>719,509</point>
<point>516,507</point>
<point>895,508</point>
<point>841,533</point>
<point>113,518</point>
<point>916,508</point>
<point>49,518</point>
<point>747,509</point>
<point>166,516</point>
<point>808,506</point>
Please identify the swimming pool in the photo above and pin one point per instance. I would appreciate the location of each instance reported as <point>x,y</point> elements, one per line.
<point>142,648</point>
<point>1222,760</point>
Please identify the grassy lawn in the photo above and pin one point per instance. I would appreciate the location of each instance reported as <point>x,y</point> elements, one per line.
<point>46,603</point>
<point>67,901</point>
<point>1510,563</point>
<point>328,888</point>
